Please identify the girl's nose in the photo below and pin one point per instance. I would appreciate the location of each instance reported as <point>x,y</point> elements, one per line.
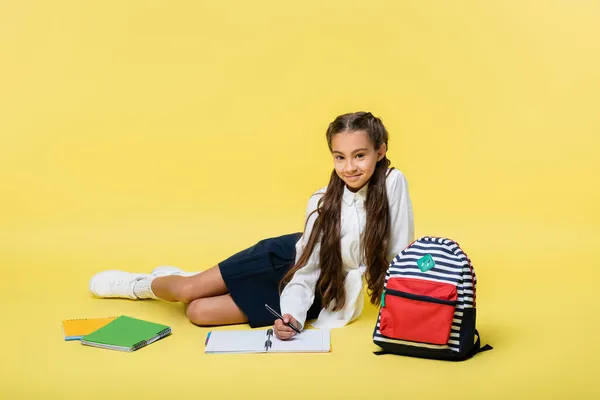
<point>350,166</point>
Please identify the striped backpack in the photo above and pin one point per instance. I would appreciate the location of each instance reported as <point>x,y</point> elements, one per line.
<point>428,303</point>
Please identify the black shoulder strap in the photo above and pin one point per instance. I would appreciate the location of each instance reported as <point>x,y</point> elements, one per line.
<point>477,347</point>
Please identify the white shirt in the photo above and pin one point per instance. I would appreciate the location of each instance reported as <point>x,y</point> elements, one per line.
<point>298,295</point>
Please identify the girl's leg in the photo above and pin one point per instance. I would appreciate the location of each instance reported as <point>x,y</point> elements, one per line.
<point>186,289</point>
<point>217,310</point>
<point>167,283</point>
<point>206,296</point>
<point>205,293</point>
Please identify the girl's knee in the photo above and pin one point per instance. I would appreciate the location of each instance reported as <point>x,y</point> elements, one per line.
<point>197,312</point>
<point>215,311</point>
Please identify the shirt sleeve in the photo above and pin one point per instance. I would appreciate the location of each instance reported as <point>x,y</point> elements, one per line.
<point>402,229</point>
<point>298,295</point>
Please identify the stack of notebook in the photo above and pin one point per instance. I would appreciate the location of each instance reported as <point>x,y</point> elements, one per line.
<point>75,329</point>
<point>121,333</point>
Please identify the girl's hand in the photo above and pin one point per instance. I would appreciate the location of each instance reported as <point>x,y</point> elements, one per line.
<point>282,331</point>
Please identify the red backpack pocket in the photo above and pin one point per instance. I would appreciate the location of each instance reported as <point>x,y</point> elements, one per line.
<point>418,310</point>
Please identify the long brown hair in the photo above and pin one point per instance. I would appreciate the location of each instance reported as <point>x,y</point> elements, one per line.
<point>327,225</point>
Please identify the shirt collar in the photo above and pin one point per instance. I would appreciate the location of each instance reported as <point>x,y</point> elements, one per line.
<point>349,196</point>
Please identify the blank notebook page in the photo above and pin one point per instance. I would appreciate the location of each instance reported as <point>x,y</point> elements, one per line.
<point>307,341</point>
<point>253,341</point>
<point>236,341</point>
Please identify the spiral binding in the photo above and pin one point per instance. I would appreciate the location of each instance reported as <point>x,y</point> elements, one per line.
<point>268,342</point>
<point>160,335</point>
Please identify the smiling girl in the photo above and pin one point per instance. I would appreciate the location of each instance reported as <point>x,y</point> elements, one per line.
<point>354,227</point>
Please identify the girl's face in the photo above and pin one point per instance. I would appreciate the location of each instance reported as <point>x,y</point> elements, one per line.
<point>355,157</point>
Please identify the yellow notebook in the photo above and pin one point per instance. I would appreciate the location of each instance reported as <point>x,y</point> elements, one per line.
<point>75,329</point>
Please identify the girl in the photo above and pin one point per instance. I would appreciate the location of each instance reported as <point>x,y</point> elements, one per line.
<point>354,226</point>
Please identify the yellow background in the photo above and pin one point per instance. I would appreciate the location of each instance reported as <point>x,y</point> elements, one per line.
<point>141,133</point>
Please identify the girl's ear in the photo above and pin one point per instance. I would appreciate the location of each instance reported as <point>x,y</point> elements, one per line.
<point>381,152</point>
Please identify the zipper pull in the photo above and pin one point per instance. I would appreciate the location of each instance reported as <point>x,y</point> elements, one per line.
<point>383,299</point>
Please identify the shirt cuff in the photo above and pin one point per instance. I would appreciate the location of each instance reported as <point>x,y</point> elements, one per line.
<point>298,311</point>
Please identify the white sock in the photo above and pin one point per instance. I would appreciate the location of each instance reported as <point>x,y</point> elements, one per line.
<point>142,288</point>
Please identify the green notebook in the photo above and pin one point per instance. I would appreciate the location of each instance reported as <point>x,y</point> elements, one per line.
<point>126,334</point>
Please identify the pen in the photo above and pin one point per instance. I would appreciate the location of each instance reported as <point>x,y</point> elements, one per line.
<point>281,318</point>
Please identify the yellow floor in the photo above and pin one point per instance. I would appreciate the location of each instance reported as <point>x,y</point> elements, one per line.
<point>542,327</point>
<point>142,133</point>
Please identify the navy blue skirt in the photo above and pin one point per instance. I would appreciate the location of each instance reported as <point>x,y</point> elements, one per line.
<point>252,277</point>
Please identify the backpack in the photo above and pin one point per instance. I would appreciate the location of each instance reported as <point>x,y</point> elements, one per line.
<point>428,303</point>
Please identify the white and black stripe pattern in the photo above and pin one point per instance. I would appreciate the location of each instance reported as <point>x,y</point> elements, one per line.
<point>451,266</point>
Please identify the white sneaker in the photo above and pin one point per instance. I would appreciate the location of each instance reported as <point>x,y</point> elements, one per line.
<point>166,270</point>
<point>115,284</point>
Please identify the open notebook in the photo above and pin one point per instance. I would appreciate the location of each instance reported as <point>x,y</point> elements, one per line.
<point>264,341</point>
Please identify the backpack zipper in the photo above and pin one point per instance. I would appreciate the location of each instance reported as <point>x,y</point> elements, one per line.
<point>416,297</point>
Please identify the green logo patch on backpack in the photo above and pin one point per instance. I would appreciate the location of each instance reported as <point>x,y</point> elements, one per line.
<point>426,262</point>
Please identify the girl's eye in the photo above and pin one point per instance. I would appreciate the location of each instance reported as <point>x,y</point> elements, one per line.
<point>360,155</point>
<point>339,157</point>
